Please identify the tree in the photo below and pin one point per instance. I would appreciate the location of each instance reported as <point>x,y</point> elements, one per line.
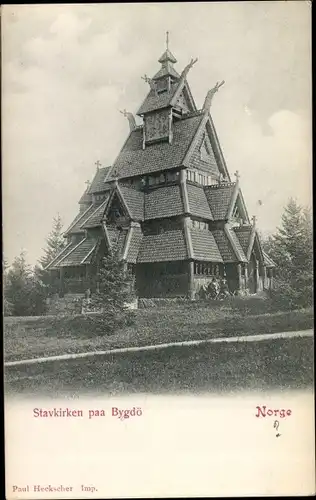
<point>55,242</point>
<point>22,290</point>
<point>7,306</point>
<point>291,247</point>
<point>115,292</point>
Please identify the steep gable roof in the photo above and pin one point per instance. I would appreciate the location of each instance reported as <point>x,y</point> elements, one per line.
<point>134,160</point>
<point>243,234</point>
<point>134,244</point>
<point>219,198</point>
<point>198,205</point>
<point>79,220</point>
<point>224,245</point>
<point>98,183</point>
<point>240,255</point>
<point>134,201</point>
<point>268,261</point>
<point>68,248</point>
<point>154,101</point>
<point>86,198</point>
<point>79,255</point>
<point>96,217</point>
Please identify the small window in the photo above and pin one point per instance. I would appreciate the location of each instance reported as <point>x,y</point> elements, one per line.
<point>162,178</point>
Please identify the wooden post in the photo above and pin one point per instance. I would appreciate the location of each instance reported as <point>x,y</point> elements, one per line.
<point>61,282</point>
<point>246,276</point>
<point>257,276</point>
<point>191,280</point>
<point>271,278</point>
<point>239,276</point>
<point>264,273</point>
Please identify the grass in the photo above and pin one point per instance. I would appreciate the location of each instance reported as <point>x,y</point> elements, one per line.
<point>52,335</point>
<point>217,368</point>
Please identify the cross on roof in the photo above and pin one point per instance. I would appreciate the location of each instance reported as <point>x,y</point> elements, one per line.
<point>237,174</point>
<point>98,164</point>
<point>254,218</point>
<point>88,183</point>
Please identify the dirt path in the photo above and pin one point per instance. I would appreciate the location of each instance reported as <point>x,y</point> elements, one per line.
<point>244,338</point>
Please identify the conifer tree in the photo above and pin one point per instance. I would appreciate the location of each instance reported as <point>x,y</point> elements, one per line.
<point>54,242</point>
<point>22,290</point>
<point>7,306</point>
<point>115,292</point>
<point>292,250</point>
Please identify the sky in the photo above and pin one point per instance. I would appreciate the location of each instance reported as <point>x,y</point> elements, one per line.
<point>67,70</point>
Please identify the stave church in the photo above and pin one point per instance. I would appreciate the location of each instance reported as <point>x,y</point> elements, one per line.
<point>168,202</point>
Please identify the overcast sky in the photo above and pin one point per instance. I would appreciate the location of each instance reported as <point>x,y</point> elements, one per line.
<point>68,69</point>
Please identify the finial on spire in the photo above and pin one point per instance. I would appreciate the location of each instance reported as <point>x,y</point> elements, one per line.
<point>98,164</point>
<point>88,184</point>
<point>254,219</point>
<point>237,175</point>
<point>167,40</point>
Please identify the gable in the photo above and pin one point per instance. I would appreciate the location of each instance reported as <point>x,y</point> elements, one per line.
<point>238,211</point>
<point>116,211</point>
<point>183,100</point>
<point>202,154</point>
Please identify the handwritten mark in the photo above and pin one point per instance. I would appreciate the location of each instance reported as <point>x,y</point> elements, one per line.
<point>276,426</point>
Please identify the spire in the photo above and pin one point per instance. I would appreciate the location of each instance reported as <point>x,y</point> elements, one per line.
<point>167,61</point>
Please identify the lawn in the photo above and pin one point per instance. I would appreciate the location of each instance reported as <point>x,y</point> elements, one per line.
<point>251,366</point>
<point>27,338</point>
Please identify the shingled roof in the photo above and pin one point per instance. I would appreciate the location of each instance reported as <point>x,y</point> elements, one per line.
<point>98,184</point>
<point>134,201</point>
<point>239,252</point>
<point>79,220</point>
<point>204,246</point>
<point>134,244</point>
<point>79,254</point>
<point>268,261</point>
<point>134,160</point>
<point>96,217</point>
<point>154,101</point>
<point>68,248</point>
<point>167,246</point>
<point>243,234</point>
<point>224,245</point>
<point>219,198</point>
<point>86,198</point>
<point>198,204</point>
<point>163,202</point>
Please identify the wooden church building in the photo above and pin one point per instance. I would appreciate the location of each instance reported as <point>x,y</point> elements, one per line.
<point>169,202</point>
